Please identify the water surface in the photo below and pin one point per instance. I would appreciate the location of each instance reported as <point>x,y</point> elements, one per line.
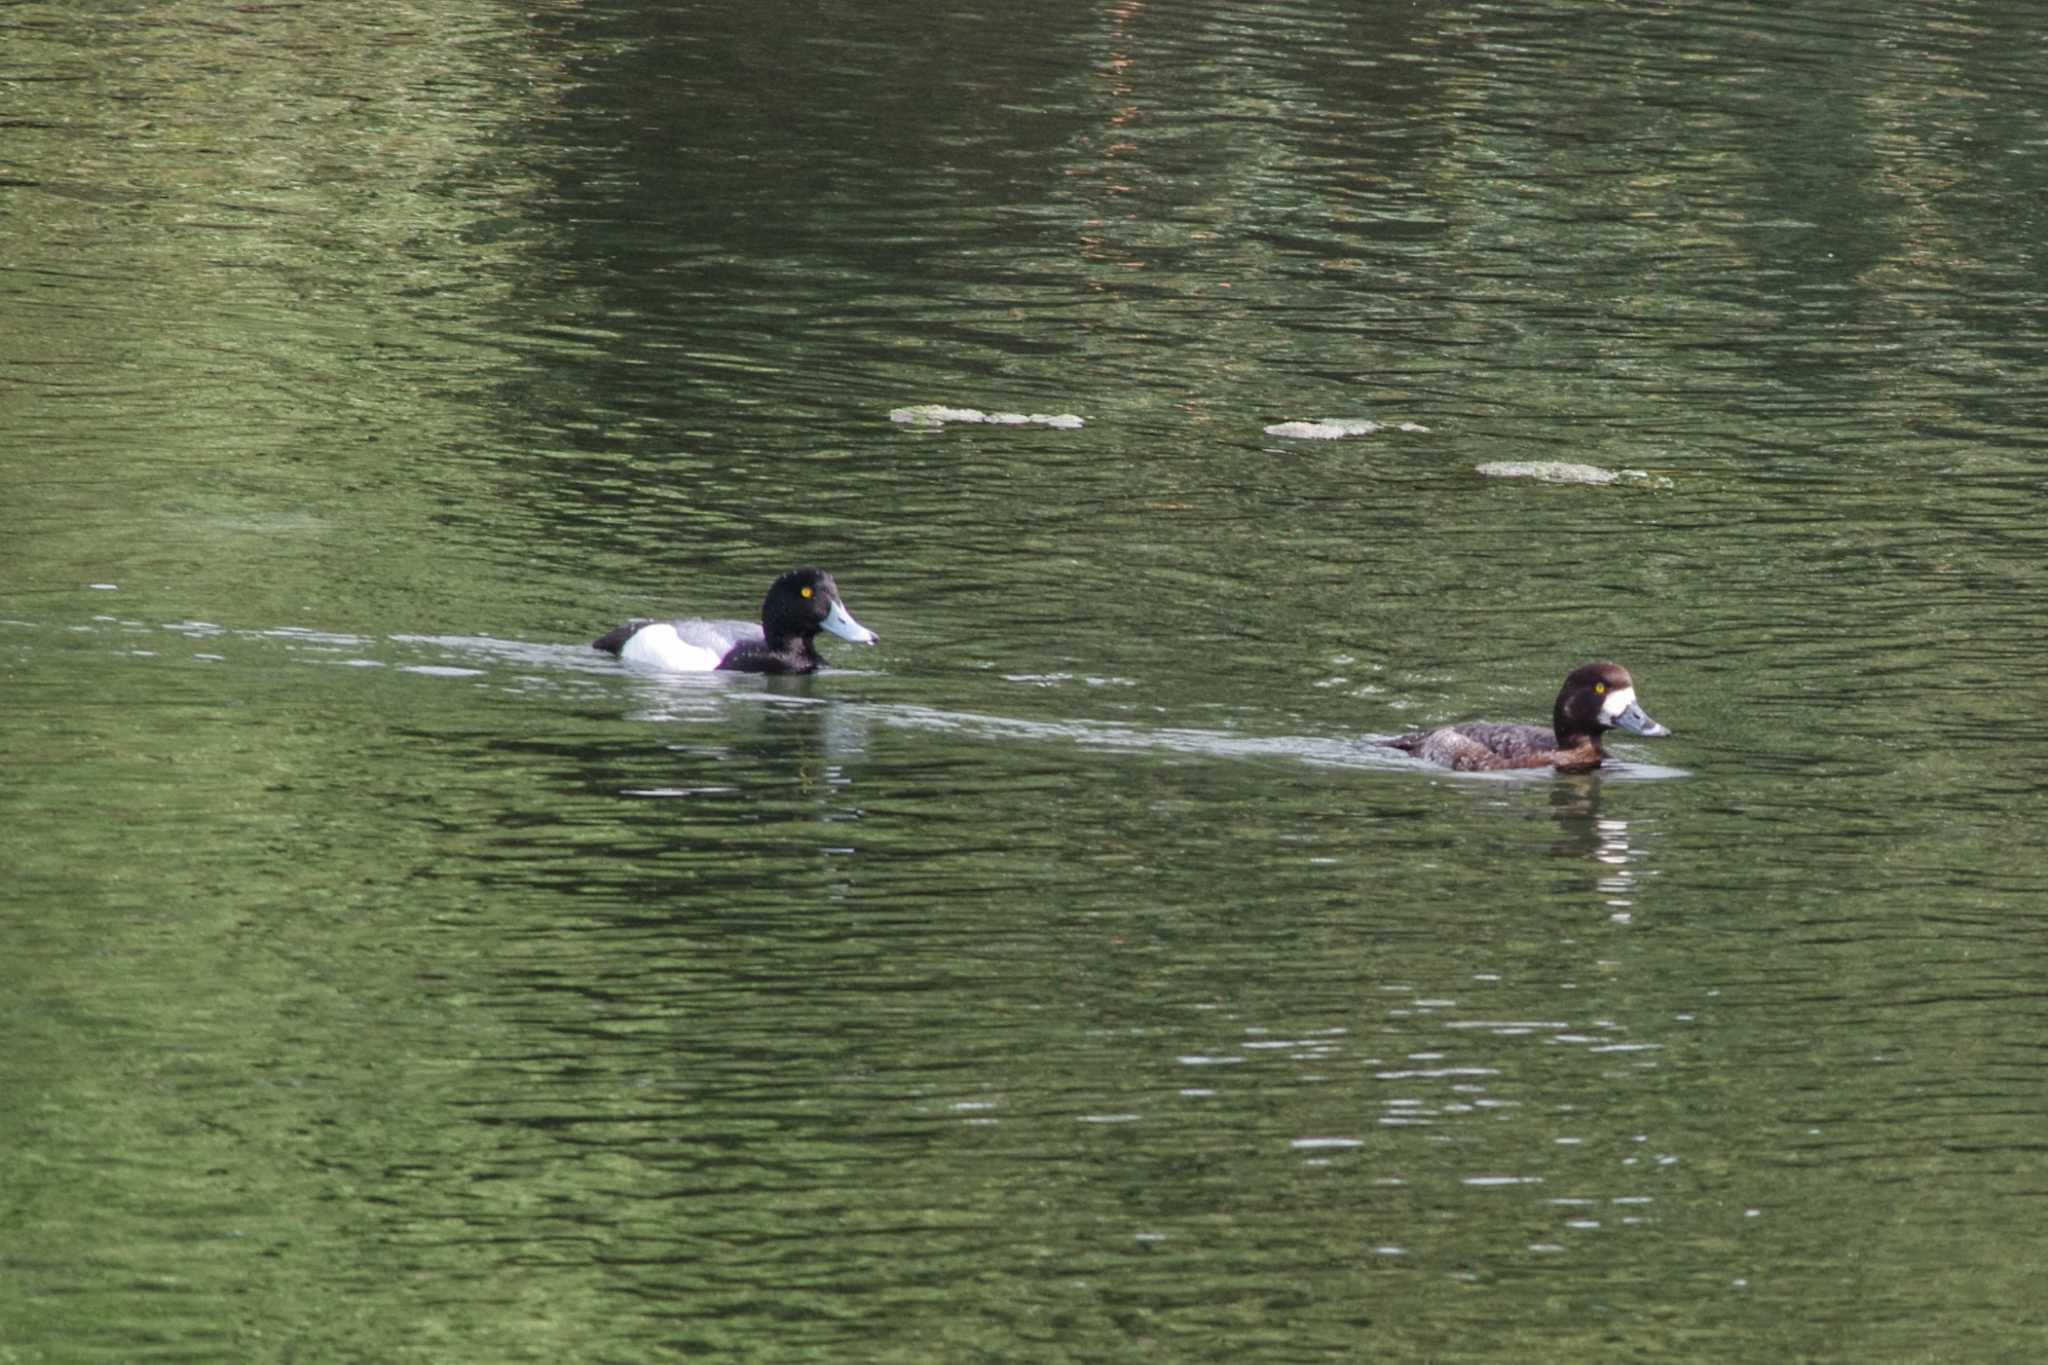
<point>391,977</point>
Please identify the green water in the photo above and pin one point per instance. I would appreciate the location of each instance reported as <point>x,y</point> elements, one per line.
<point>389,977</point>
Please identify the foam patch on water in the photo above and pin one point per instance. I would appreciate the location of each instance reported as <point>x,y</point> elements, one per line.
<point>1337,428</point>
<point>938,415</point>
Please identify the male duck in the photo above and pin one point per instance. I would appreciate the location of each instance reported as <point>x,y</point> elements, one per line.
<point>799,604</point>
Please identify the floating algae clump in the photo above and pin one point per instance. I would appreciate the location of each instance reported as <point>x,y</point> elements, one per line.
<point>1563,471</point>
<point>1337,428</point>
<point>938,415</point>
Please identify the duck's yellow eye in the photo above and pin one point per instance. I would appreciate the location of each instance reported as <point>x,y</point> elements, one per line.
<point>806,593</point>
<point>1599,689</point>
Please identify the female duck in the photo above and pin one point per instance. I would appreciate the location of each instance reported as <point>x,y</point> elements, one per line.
<point>799,604</point>
<point>1596,698</point>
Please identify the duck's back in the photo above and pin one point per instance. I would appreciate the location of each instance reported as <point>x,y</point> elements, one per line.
<point>718,636</point>
<point>1477,746</point>
<point>690,646</point>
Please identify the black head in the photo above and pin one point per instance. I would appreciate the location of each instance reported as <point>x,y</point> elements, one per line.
<point>1596,698</point>
<point>803,602</point>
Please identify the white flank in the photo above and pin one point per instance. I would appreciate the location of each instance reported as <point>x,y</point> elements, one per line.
<point>658,646</point>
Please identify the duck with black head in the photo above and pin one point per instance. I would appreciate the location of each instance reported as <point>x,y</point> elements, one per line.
<point>1596,698</point>
<point>799,604</point>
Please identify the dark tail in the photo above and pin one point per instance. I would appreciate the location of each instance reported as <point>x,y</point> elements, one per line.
<point>616,641</point>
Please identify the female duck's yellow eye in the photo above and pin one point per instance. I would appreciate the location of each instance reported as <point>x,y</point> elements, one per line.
<point>806,593</point>
<point>1599,689</point>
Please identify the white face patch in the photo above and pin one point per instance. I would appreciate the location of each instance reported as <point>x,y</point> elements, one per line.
<point>1618,701</point>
